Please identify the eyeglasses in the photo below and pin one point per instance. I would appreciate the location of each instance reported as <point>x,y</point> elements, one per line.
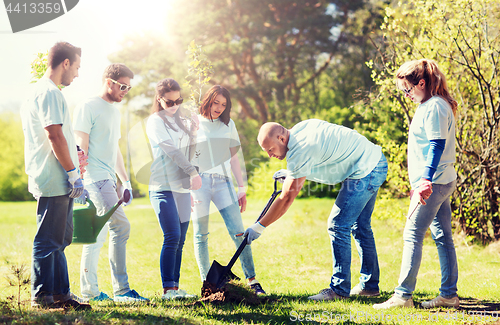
<point>408,91</point>
<point>171,103</point>
<point>122,86</point>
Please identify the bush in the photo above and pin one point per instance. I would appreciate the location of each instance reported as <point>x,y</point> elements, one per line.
<point>13,180</point>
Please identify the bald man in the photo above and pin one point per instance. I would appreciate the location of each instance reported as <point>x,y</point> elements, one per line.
<point>327,153</point>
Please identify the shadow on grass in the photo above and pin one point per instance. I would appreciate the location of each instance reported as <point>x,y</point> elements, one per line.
<point>468,304</point>
<point>478,306</point>
<point>275,309</point>
<point>107,314</point>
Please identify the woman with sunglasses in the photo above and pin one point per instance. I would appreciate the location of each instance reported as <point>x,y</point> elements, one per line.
<point>431,154</point>
<point>170,136</point>
<point>216,153</point>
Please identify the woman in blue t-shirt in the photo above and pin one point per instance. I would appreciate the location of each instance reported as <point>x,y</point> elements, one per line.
<point>216,155</point>
<point>170,136</point>
<point>431,154</point>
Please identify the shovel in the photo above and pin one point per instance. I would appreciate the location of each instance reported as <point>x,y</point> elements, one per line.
<point>218,275</point>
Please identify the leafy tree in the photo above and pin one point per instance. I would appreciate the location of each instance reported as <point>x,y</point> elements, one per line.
<point>463,36</point>
<point>282,60</point>
<point>14,182</point>
<point>266,57</point>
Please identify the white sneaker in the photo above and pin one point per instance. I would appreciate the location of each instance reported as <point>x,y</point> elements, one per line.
<point>395,302</point>
<point>185,295</point>
<point>326,294</point>
<point>442,302</point>
<point>171,295</point>
<point>357,291</point>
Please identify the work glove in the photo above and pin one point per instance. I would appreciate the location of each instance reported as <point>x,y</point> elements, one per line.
<point>128,186</point>
<point>281,174</point>
<point>82,199</point>
<point>75,183</point>
<point>253,232</point>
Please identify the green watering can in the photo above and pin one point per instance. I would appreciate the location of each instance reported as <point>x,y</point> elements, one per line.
<point>87,224</point>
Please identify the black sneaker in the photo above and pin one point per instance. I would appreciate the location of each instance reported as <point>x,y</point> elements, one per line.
<point>73,304</point>
<point>257,288</point>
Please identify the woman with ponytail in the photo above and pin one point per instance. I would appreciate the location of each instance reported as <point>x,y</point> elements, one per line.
<point>431,155</point>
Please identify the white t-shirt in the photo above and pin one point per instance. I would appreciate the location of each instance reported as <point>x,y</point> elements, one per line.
<point>164,171</point>
<point>213,144</point>
<point>44,106</point>
<point>328,153</point>
<point>433,120</point>
<point>101,121</point>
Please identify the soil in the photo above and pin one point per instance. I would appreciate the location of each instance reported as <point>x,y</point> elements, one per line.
<point>233,292</point>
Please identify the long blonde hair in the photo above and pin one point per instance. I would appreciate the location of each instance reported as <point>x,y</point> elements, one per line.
<point>435,81</point>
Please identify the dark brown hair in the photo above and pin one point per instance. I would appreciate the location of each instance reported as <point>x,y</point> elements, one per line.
<point>162,87</point>
<point>117,70</point>
<point>62,51</point>
<point>435,81</point>
<point>208,100</point>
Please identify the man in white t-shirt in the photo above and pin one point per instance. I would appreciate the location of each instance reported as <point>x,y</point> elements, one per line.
<point>97,129</point>
<point>51,160</point>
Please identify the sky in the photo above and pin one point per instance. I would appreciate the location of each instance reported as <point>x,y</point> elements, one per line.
<point>97,26</point>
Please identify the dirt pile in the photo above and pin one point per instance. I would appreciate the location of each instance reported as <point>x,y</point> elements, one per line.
<point>231,292</point>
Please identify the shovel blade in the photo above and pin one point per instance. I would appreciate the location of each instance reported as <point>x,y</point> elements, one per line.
<point>217,277</point>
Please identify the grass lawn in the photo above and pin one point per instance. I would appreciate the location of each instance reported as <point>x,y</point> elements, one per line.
<point>292,258</point>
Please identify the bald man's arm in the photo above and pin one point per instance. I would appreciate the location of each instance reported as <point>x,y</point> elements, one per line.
<point>290,190</point>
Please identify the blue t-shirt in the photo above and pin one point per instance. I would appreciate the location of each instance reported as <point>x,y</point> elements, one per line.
<point>433,120</point>
<point>329,153</point>
<point>45,106</point>
<point>101,121</point>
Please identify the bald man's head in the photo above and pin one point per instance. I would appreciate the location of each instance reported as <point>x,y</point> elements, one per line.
<point>273,139</point>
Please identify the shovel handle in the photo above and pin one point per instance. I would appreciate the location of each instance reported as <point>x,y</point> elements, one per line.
<point>240,249</point>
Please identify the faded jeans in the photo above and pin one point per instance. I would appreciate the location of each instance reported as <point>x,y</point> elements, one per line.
<point>171,207</point>
<point>49,275</point>
<point>436,215</point>
<point>352,213</point>
<point>103,195</point>
<point>220,190</point>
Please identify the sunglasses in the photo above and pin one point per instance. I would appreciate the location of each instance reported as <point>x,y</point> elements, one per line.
<point>122,86</point>
<point>408,91</point>
<point>171,103</point>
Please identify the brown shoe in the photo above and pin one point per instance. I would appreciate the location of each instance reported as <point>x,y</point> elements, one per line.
<point>326,294</point>
<point>73,304</point>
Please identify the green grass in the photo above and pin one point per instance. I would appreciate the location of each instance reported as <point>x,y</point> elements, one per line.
<point>292,258</point>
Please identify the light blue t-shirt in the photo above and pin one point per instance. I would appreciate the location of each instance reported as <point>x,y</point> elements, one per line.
<point>45,106</point>
<point>433,120</point>
<point>101,121</point>
<point>213,142</point>
<point>164,171</point>
<point>329,153</point>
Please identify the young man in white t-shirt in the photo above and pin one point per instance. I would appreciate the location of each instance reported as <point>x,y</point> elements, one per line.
<point>51,163</point>
<point>97,129</point>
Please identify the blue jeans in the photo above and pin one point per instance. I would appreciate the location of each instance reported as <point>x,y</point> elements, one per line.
<point>49,276</point>
<point>436,215</point>
<point>220,190</point>
<point>103,195</point>
<point>352,213</point>
<point>171,207</point>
